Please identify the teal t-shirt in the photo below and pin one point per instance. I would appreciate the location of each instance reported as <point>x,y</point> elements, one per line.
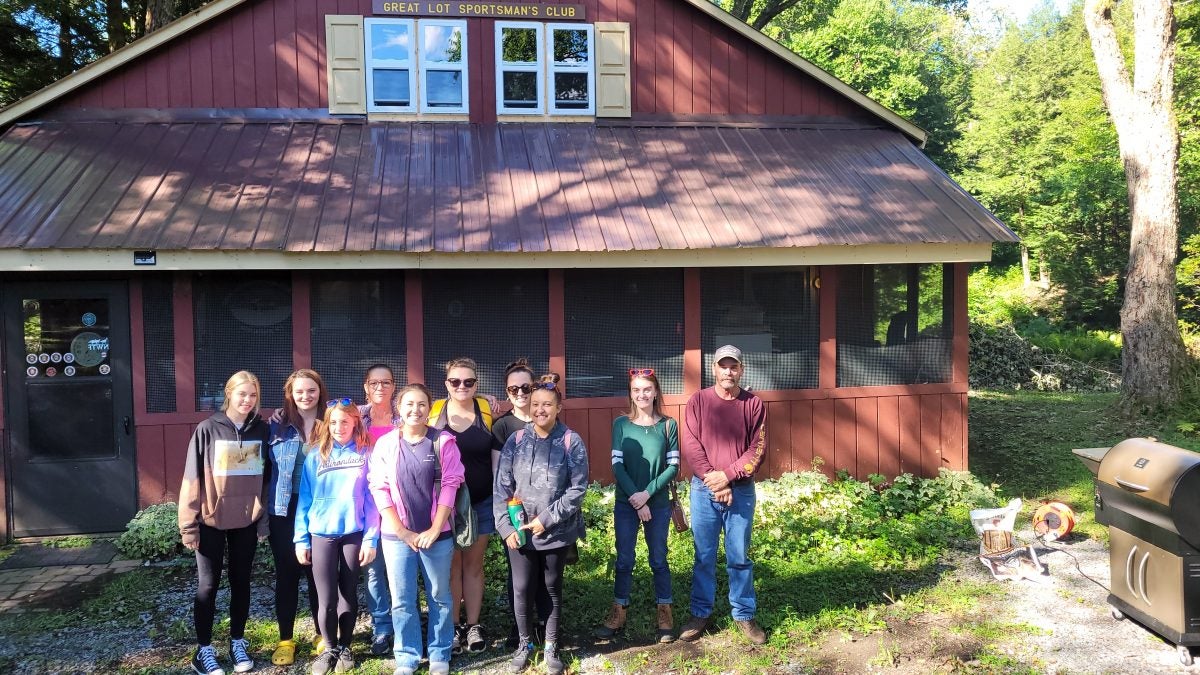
<point>298,467</point>
<point>645,458</point>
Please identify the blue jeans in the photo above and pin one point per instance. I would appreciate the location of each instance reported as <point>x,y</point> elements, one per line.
<point>403,566</point>
<point>709,520</point>
<point>379,596</point>
<point>626,525</point>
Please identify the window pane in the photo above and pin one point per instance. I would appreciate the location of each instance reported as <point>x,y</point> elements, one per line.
<point>571,91</point>
<point>242,322</point>
<point>571,46</point>
<point>492,316</point>
<point>622,319</point>
<point>158,321</point>
<point>390,42</point>
<point>518,45</point>
<point>891,327</point>
<point>390,87</point>
<point>520,90</point>
<point>772,314</point>
<point>445,88</point>
<point>373,304</point>
<point>442,44</point>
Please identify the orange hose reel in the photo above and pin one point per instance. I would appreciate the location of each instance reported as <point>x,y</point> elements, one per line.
<point>1053,520</point>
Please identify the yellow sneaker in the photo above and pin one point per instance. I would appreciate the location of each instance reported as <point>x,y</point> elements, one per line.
<point>285,653</point>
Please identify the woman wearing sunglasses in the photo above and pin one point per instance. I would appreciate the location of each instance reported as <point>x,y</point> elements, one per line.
<point>292,429</point>
<point>468,418</point>
<point>337,527</point>
<point>379,418</point>
<point>645,459</point>
<point>543,472</point>
<point>415,475</point>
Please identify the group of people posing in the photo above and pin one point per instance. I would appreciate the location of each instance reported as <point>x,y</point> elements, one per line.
<point>338,487</point>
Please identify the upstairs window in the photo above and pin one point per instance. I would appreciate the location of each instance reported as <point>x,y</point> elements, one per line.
<point>416,65</point>
<point>545,69</point>
<point>390,63</point>
<point>443,66</point>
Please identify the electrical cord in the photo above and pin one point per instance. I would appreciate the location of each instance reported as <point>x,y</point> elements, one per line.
<point>1083,574</point>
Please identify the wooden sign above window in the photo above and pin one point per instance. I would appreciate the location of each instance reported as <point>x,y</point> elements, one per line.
<point>491,10</point>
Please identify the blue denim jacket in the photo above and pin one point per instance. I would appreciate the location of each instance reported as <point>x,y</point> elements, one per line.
<point>285,447</point>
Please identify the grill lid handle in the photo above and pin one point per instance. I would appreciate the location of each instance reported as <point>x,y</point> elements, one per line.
<point>1132,487</point>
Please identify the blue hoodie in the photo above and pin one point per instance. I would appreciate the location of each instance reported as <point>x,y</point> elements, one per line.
<point>334,497</point>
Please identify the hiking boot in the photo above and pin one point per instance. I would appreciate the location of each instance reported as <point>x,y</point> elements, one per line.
<point>666,624</point>
<point>522,657</point>
<point>204,661</point>
<point>460,640</point>
<point>752,632</point>
<point>238,653</point>
<point>551,659</point>
<point>345,661</point>
<point>325,662</point>
<point>613,624</point>
<point>694,628</point>
<point>475,639</point>
<point>381,644</point>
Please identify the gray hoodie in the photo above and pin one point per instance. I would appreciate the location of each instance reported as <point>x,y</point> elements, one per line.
<point>550,478</point>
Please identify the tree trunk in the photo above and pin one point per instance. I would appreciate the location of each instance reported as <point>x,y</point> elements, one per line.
<point>158,14</point>
<point>115,24</point>
<point>1025,266</point>
<point>1142,112</point>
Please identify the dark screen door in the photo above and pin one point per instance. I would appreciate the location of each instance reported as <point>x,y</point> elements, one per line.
<point>70,407</point>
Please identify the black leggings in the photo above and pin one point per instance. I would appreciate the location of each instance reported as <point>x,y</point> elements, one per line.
<point>542,597</point>
<point>209,557</point>
<point>335,573</point>
<point>288,571</point>
<point>527,565</point>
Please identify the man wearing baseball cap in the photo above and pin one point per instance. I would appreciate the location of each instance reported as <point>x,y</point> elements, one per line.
<point>725,441</point>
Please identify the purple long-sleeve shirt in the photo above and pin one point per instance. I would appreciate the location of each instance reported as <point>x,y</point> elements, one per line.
<point>721,435</point>
<point>386,487</point>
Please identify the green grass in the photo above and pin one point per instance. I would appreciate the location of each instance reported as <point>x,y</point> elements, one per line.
<point>72,541</point>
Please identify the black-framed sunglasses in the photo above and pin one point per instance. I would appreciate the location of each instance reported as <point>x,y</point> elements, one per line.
<point>521,388</point>
<point>456,383</point>
<point>641,372</point>
<point>344,402</point>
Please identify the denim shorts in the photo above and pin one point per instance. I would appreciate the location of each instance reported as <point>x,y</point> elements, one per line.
<point>487,519</point>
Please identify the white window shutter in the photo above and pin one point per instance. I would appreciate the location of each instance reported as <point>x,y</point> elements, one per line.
<point>344,58</point>
<point>613,70</point>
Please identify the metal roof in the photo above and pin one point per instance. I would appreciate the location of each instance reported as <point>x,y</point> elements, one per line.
<point>329,185</point>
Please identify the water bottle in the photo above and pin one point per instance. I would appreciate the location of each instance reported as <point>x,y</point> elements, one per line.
<point>516,515</point>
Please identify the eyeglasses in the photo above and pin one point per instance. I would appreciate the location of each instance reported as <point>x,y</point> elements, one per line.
<point>456,383</point>
<point>544,385</point>
<point>522,388</point>
<point>641,372</point>
<point>344,402</point>
<point>380,384</point>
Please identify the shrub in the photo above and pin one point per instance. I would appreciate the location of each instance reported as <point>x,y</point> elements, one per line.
<point>153,534</point>
<point>1097,347</point>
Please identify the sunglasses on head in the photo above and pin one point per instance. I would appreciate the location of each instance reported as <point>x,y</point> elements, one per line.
<point>522,388</point>
<point>344,402</point>
<point>641,372</point>
<point>544,385</point>
<point>456,383</point>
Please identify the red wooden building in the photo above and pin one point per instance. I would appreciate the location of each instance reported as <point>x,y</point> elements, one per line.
<point>597,185</point>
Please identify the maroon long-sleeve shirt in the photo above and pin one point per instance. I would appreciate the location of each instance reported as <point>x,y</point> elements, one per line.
<point>720,435</point>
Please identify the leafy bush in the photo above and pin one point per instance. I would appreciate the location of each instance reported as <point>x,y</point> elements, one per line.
<point>153,534</point>
<point>1097,347</point>
<point>1000,297</point>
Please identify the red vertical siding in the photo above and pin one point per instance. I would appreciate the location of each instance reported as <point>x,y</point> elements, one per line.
<point>909,424</point>
<point>151,466</point>
<point>779,437</point>
<point>302,320</point>
<point>931,434</point>
<point>823,434</point>
<point>866,413</point>
<point>845,436</point>
<point>889,435</point>
<point>175,444</point>
<point>801,435</point>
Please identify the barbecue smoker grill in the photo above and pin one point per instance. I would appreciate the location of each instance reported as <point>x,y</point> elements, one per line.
<point>1148,493</point>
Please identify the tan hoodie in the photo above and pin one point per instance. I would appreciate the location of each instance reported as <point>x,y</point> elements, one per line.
<point>224,485</point>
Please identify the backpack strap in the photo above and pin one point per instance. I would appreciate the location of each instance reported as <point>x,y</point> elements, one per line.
<point>435,411</point>
<point>485,410</point>
<point>436,441</point>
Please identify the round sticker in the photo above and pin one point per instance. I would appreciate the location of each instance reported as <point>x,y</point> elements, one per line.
<point>89,319</point>
<point>68,358</point>
<point>43,358</point>
<point>105,369</point>
<point>55,357</point>
<point>31,359</point>
<point>51,371</point>
<point>31,371</point>
<point>89,349</point>
<point>69,371</point>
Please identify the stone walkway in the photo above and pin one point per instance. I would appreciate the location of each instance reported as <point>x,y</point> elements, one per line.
<point>20,586</point>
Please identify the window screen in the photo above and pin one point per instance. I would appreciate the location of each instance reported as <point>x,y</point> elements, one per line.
<point>357,323</point>
<point>492,316</point>
<point>622,319</point>
<point>771,313</point>
<point>158,329</point>
<point>893,325</point>
<point>242,322</point>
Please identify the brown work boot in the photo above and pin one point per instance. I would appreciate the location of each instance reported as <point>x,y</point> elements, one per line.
<point>694,628</point>
<point>613,624</point>
<point>752,632</point>
<point>666,624</point>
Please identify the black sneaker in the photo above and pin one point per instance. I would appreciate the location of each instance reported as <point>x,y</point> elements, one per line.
<point>550,658</point>
<point>239,654</point>
<point>326,660</point>
<point>381,644</point>
<point>460,639</point>
<point>511,642</point>
<point>345,661</point>
<point>476,642</point>
<point>522,657</point>
<point>204,661</point>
